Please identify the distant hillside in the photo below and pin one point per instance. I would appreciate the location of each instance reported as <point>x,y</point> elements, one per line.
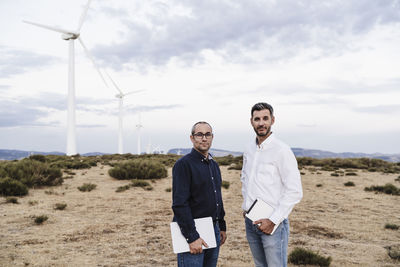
<point>299,152</point>
<point>19,154</point>
<point>213,151</point>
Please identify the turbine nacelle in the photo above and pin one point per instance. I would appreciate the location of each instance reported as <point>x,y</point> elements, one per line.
<point>70,36</point>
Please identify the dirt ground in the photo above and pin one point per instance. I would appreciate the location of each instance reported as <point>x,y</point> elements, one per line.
<point>131,228</point>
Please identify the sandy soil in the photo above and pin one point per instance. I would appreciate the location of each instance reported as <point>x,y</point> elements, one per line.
<point>131,228</point>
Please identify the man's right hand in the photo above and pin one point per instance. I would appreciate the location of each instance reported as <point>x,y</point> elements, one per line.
<point>196,246</point>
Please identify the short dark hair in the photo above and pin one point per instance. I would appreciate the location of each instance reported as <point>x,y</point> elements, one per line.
<point>261,106</point>
<point>197,123</point>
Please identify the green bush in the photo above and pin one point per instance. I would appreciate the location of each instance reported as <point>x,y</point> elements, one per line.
<point>353,163</point>
<point>225,184</point>
<point>40,219</point>
<point>349,183</point>
<point>139,183</point>
<point>169,189</point>
<point>60,206</point>
<point>40,158</point>
<point>11,187</point>
<point>122,188</point>
<point>13,200</point>
<point>87,187</point>
<point>318,185</point>
<point>236,166</point>
<point>138,169</point>
<point>334,174</point>
<point>351,174</point>
<point>391,226</point>
<point>387,189</point>
<point>301,256</point>
<point>33,173</point>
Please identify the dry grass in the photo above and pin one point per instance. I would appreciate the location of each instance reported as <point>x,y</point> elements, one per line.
<point>131,228</point>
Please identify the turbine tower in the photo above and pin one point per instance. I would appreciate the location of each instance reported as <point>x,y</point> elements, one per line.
<point>120,97</point>
<point>71,36</point>
<point>138,126</point>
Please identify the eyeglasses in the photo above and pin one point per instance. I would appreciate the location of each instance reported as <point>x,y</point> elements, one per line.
<point>201,135</point>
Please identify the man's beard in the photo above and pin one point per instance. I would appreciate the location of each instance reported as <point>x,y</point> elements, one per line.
<point>268,130</point>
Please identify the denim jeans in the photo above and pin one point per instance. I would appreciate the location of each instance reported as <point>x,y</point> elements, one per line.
<point>208,258</point>
<point>268,250</point>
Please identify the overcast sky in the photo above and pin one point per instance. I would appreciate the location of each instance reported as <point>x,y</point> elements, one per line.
<point>331,69</point>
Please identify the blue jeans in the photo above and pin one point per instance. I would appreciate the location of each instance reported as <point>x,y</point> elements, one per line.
<point>268,250</point>
<point>208,258</point>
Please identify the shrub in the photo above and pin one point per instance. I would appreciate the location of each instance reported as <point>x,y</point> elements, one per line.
<point>391,226</point>
<point>302,173</point>
<point>13,200</point>
<point>33,202</point>
<point>87,187</point>
<point>349,183</point>
<point>224,161</point>
<point>122,188</point>
<point>40,158</point>
<point>33,173</point>
<point>169,189</point>
<point>138,169</point>
<point>11,187</point>
<point>387,189</point>
<point>318,185</point>
<point>236,166</point>
<point>397,179</point>
<point>351,174</point>
<point>40,219</point>
<point>301,256</point>
<point>225,184</point>
<point>139,183</point>
<point>60,206</point>
<point>334,174</point>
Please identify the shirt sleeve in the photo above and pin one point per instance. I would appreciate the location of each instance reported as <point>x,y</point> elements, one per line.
<point>291,181</point>
<point>221,216</point>
<point>181,177</point>
<point>243,180</point>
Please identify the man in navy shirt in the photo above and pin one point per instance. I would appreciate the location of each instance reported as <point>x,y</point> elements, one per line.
<point>196,193</point>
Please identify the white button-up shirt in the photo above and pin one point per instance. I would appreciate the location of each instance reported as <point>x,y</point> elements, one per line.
<point>270,173</point>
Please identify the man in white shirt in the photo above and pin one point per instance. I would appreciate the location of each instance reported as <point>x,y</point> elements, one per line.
<point>269,173</point>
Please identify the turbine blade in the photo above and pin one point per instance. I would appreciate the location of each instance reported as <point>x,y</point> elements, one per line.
<point>134,92</point>
<point>115,85</point>
<point>48,27</point>
<point>83,16</point>
<point>92,59</point>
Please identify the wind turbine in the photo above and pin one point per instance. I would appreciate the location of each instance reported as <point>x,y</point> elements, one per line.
<point>138,126</point>
<point>71,36</point>
<point>120,97</point>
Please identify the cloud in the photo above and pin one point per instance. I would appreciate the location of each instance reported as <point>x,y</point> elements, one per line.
<point>14,114</point>
<point>135,109</point>
<point>14,61</point>
<point>157,33</point>
<point>379,109</point>
<point>28,111</point>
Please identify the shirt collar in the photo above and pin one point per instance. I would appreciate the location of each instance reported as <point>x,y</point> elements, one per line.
<point>266,141</point>
<point>196,154</point>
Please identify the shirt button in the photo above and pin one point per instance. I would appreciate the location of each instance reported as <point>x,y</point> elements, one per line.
<point>215,191</point>
<point>217,204</point>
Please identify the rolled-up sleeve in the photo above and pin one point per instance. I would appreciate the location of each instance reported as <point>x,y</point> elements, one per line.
<point>292,191</point>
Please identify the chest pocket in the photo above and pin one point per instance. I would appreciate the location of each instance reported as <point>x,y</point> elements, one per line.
<point>266,173</point>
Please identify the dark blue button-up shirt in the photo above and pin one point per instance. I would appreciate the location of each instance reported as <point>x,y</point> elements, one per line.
<point>196,185</point>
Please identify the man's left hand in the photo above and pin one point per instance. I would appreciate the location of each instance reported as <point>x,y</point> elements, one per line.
<point>223,237</point>
<point>265,225</point>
